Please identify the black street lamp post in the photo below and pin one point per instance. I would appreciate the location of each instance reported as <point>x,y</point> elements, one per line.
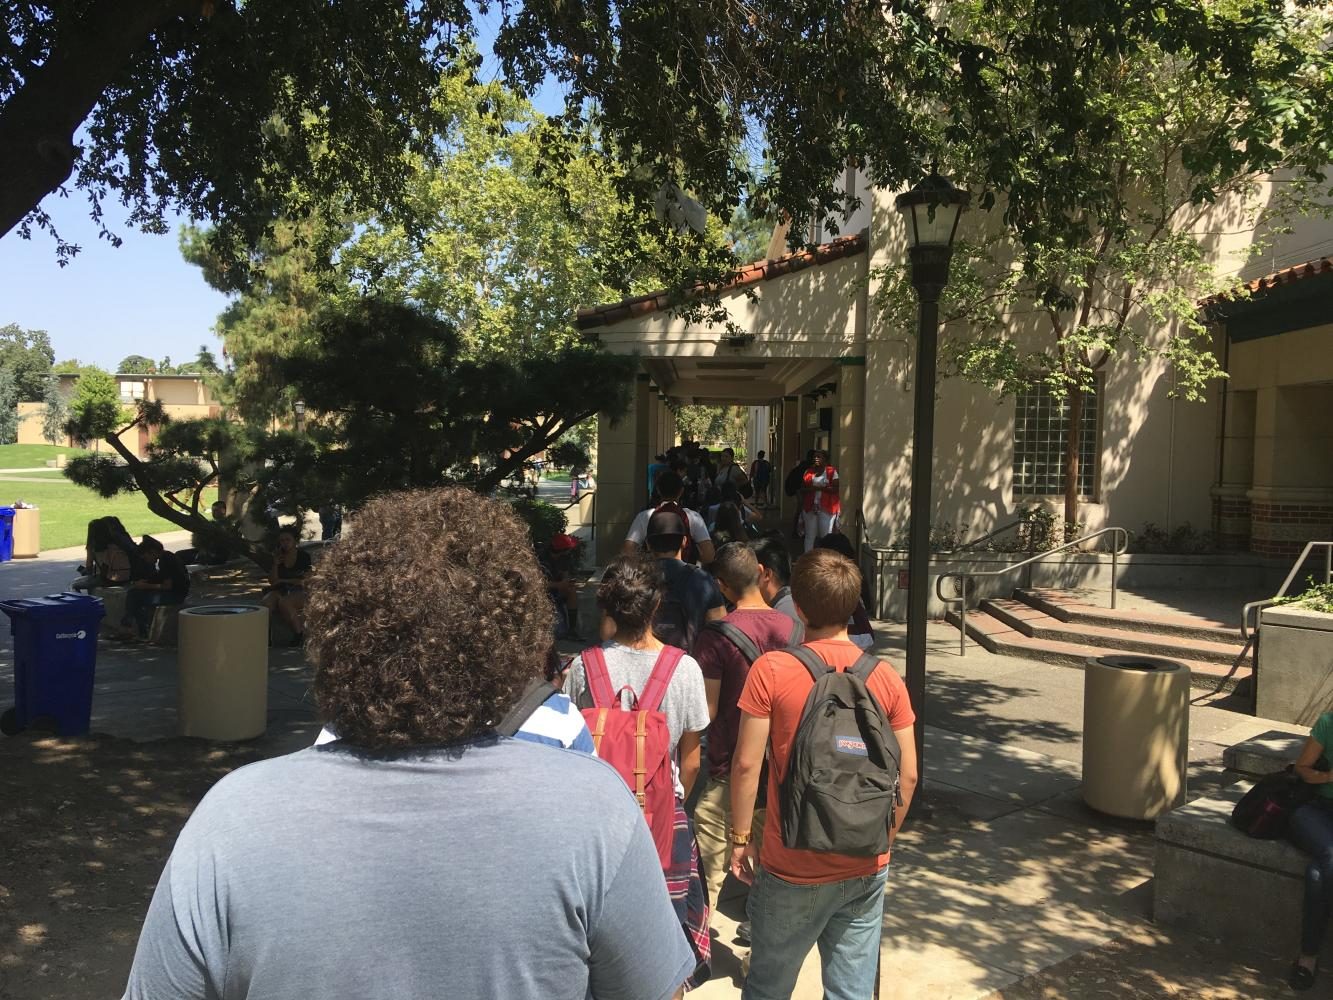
<point>931,209</point>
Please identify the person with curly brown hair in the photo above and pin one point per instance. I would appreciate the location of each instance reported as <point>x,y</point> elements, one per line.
<point>422,851</point>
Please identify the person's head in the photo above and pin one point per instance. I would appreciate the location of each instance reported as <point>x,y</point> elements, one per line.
<point>150,549</point>
<point>288,539</point>
<point>810,455</point>
<point>729,525</point>
<point>736,570</point>
<point>760,456</point>
<point>219,510</point>
<point>669,485</point>
<point>630,591</point>
<point>666,534</point>
<point>837,542</point>
<point>729,493</point>
<point>817,459</point>
<point>428,622</point>
<point>728,456</point>
<point>826,587</point>
<point>774,565</point>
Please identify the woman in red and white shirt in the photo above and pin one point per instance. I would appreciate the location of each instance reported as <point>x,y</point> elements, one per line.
<point>819,500</point>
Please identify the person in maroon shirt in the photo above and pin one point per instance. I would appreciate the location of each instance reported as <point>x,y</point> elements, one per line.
<point>725,667</point>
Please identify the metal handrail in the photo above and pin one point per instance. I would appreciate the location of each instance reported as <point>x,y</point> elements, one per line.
<point>994,534</point>
<point>1120,547</point>
<point>1254,607</point>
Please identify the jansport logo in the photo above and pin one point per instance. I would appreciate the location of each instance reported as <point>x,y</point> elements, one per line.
<point>851,744</point>
<point>80,634</point>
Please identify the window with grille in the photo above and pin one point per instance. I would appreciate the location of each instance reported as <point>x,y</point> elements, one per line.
<point>1041,426</point>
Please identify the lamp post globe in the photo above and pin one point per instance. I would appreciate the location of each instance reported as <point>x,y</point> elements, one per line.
<point>931,210</point>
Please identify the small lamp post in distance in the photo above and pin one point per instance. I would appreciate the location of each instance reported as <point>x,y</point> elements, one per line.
<point>299,409</point>
<point>931,210</point>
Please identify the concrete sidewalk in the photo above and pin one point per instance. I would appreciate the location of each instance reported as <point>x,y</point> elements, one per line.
<point>1002,871</point>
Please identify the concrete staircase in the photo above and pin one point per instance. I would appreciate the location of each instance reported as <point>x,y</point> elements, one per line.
<point>1056,627</point>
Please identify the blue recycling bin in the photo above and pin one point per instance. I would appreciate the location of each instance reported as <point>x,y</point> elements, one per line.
<point>6,534</point>
<point>55,653</point>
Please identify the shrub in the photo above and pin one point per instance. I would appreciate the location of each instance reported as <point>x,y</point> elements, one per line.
<point>544,520</point>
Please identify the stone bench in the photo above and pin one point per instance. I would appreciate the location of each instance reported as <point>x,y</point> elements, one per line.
<point>1212,879</point>
<point>1266,753</point>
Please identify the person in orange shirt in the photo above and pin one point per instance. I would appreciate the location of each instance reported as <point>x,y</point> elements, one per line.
<point>801,898</point>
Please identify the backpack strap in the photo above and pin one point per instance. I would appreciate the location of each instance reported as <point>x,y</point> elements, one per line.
<point>663,670</point>
<point>809,659</point>
<point>739,639</point>
<point>598,677</point>
<point>532,699</point>
<point>863,667</point>
<point>797,633</point>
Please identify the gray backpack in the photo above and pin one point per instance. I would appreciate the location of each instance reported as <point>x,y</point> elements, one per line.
<point>841,786</point>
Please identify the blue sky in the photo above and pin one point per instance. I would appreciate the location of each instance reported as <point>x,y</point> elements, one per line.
<point>140,298</point>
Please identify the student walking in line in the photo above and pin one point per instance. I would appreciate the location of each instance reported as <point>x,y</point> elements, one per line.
<point>761,475</point>
<point>628,666</point>
<point>725,651</point>
<point>424,851</point>
<point>729,472</point>
<point>670,488</point>
<point>819,499</point>
<point>859,629</point>
<point>775,574</point>
<point>691,596</point>
<point>821,874</point>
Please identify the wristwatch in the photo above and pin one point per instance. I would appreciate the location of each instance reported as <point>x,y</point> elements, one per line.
<point>740,839</point>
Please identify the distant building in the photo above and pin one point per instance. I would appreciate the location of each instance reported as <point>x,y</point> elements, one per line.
<point>184,397</point>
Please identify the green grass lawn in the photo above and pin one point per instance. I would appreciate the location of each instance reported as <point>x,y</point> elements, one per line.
<point>67,509</point>
<point>31,456</point>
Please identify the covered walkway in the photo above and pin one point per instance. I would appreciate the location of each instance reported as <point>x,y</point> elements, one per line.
<point>796,348</point>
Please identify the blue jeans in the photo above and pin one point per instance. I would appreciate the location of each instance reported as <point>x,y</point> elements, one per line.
<point>1311,829</point>
<point>844,918</point>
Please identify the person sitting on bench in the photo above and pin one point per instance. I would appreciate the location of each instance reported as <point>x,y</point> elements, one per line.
<point>285,596</point>
<point>161,581</point>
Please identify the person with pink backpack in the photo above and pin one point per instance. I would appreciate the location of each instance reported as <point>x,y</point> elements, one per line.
<point>646,708</point>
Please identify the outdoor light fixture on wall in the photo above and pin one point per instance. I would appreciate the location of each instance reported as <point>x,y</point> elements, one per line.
<point>299,409</point>
<point>931,210</point>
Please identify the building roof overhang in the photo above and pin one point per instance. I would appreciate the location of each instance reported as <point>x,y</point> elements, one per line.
<point>1294,298</point>
<point>593,317</point>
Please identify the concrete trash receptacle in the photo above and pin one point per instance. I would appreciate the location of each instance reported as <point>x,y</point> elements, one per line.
<point>222,656</point>
<point>1135,735</point>
<point>27,532</point>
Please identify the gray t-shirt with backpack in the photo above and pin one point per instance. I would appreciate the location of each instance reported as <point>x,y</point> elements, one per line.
<point>685,703</point>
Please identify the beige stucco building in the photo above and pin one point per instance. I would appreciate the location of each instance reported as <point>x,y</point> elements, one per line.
<point>183,396</point>
<point>1254,461</point>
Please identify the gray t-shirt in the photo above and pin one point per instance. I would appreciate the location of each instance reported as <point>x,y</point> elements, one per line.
<point>499,869</point>
<point>685,704</point>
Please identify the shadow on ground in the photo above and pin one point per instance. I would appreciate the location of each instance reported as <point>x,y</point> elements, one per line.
<point>85,827</point>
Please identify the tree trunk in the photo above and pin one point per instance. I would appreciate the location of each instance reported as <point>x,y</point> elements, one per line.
<point>1073,442</point>
<point>38,123</point>
<point>158,504</point>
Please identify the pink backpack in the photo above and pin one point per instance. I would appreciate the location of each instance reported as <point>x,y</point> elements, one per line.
<point>636,741</point>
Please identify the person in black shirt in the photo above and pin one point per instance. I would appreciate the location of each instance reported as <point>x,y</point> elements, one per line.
<point>161,580</point>
<point>285,596</point>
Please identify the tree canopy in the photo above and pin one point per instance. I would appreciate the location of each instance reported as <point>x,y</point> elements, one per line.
<point>27,356</point>
<point>214,107</point>
<point>516,244</point>
<point>221,109</point>
<point>136,364</point>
